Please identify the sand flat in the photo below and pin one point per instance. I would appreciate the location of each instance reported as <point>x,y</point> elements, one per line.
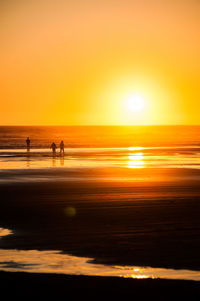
<point>146,222</point>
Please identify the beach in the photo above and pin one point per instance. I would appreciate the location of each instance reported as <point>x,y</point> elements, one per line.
<point>100,150</point>
<point>97,217</point>
<point>147,223</point>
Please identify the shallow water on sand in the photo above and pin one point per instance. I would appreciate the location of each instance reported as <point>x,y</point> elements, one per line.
<point>35,261</point>
<point>131,157</point>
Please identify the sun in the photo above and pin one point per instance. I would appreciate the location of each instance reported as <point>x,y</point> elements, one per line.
<point>135,103</point>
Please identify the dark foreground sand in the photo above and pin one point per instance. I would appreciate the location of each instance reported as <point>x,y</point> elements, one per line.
<point>62,287</point>
<point>144,222</point>
<point>154,221</point>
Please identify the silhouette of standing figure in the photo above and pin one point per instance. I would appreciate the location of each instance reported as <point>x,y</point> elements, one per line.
<point>62,147</point>
<point>28,141</point>
<point>53,147</point>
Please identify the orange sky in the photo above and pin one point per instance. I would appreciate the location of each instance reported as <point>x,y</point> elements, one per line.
<point>76,62</point>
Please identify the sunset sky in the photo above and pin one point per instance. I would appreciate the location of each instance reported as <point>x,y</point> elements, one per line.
<point>99,62</point>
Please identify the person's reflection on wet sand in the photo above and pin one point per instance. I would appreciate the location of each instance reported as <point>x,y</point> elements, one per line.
<point>62,161</point>
<point>53,162</point>
<point>28,161</point>
<point>28,152</point>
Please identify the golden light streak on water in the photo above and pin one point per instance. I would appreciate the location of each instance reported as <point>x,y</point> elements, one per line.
<point>135,148</point>
<point>34,261</point>
<point>136,160</point>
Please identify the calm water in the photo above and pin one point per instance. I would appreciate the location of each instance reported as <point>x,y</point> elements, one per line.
<point>100,136</point>
<point>35,261</point>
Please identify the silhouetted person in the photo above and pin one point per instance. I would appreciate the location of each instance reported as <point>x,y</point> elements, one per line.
<point>28,141</point>
<point>53,147</point>
<point>62,147</point>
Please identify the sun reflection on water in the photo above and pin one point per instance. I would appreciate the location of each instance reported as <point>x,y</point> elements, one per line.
<point>135,148</point>
<point>136,160</point>
<point>35,261</point>
<point>139,277</point>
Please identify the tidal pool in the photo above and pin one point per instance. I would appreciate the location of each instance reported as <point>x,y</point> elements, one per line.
<point>35,261</point>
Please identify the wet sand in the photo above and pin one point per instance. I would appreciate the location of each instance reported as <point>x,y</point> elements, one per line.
<point>152,220</point>
<point>136,206</point>
<point>143,217</point>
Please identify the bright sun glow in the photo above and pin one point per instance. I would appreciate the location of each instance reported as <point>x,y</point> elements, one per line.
<point>135,103</point>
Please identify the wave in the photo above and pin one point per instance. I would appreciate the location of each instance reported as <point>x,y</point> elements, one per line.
<point>45,152</point>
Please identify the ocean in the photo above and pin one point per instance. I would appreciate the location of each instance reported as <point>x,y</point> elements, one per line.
<point>13,137</point>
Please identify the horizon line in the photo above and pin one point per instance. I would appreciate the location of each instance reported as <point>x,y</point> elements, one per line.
<point>92,125</point>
